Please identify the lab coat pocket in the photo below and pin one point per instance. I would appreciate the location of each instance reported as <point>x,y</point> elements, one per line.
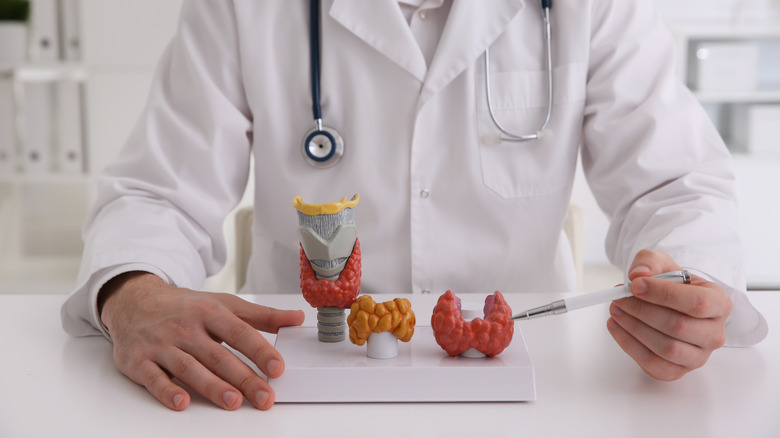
<point>519,100</point>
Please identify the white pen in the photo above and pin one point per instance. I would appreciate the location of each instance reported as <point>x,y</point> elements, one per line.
<point>598,297</point>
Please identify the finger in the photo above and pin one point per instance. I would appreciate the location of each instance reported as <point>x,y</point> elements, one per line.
<point>701,300</point>
<point>194,374</point>
<point>650,262</point>
<point>246,339</point>
<point>706,333</point>
<point>260,317</point>
<point>651,363</point>
<point>670,349</point>
<point>229,367</point>
<point>156,381</point>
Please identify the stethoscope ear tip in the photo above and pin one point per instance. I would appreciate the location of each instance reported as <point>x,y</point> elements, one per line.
<point>546,135</point>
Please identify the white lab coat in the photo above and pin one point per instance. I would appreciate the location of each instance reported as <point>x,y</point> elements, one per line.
<point>440,207</point>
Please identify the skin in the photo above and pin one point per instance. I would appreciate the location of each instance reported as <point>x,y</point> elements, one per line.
<point>161,332</point>
<point>669,329</point>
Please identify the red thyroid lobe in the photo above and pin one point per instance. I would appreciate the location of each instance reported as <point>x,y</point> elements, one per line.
<point>325,293</point>
<point>489,336</point>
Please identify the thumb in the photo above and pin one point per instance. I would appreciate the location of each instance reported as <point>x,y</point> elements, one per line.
<point>648,262</point>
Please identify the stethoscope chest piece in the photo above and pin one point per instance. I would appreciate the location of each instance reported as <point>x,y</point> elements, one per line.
<point>322,146</point>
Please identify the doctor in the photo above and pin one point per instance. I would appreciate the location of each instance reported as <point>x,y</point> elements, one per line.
<point>446,203</point>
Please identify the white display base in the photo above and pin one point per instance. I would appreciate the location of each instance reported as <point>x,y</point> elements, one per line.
<point>319,372</point>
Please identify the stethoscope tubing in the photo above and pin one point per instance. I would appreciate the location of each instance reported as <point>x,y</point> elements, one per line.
<point>509,136</point>
<point>314,55</point>
<point>323,146</point>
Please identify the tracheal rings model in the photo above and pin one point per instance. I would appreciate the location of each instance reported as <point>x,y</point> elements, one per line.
<point>489,335</point>
<point>330,262</point>
<point>381,325</point>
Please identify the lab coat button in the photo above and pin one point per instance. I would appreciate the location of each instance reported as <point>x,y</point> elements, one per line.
<point>424,193</point>
<point>423,15</point>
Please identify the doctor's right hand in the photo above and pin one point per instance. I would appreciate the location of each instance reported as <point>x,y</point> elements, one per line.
<point>162,332</point>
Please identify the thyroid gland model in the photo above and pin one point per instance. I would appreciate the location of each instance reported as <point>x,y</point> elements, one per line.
<point>380,325</point>
<point>330,262</point>
<point>479,337</point>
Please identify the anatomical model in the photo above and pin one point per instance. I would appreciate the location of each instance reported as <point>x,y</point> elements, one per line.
<point>380,325</point>
<point>330,262</point>
<point>489,335</point>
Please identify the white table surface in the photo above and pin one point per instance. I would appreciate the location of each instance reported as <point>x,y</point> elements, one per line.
<point>52,385</point>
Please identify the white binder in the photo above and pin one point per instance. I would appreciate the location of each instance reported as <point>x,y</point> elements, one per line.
<point>13,44</point>
<point>8,161</point>
<point>44,31</point>
<point>38,137</point>
<point>70,30</point>
<point>69,144</point>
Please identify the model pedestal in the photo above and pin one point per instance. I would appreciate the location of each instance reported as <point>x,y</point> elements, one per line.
<point>470,311</point>
<point>331,324</point>
<point>382,346</point>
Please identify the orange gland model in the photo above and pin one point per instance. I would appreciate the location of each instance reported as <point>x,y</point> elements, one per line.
<point>380,325</point>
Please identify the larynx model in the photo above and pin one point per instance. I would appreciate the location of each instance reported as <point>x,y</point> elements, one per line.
<point>489,335</point>
<point>381,325</point>
<point>330,262</point>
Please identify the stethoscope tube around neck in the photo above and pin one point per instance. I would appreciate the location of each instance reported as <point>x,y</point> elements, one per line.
<point>322,146</point>
<point>547,38</point>
<point>314,54</point>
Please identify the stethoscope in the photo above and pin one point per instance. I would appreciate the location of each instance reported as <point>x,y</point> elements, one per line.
<point>323,146</point>
<point>509,136</point>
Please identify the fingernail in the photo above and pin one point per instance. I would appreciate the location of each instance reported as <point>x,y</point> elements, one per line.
<point>639,286</point>
<point>274,367</point>
<point>639,269</point>
<point>261,397</point>
<point>177,399</point>
<point>617,311</point>
<point>229,397</point>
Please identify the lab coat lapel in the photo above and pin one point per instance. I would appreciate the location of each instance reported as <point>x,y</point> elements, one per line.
<point>382,26</point>
<point>471,27</point>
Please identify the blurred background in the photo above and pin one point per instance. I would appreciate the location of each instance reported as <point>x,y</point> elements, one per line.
<point>75,74</point>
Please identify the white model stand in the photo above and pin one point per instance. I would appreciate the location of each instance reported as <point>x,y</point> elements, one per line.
<point>382,345</point>
<point>340,372</point>
<point>469,312</point>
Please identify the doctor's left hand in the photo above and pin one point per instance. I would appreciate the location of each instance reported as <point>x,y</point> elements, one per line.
<point>669,329</point>
<point>162,332</point>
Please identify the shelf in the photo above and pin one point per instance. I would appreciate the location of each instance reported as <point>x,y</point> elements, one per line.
<point>46,178</point>
<point>39,275</point>
<point>45,72</point>
<point>756,96</point>
<point>760,160</point>
<point>727,30</point>
<point>757,171</point>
